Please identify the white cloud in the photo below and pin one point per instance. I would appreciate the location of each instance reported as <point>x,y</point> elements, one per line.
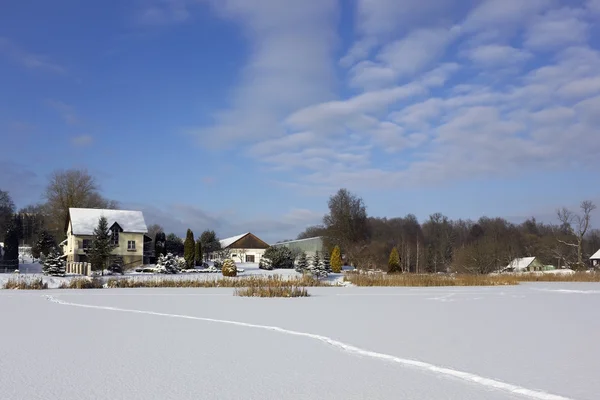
<point>557,28</point>
<point>495,55</point>
<point>504,14</point>
<point>27,59</point>
<point>593,6</point>
<point>290,66</point>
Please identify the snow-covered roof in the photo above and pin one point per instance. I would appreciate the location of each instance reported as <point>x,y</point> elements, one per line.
<point>85,220</point>
<point>231,240</point>
<point>520,264</point>
<point>596,256</point>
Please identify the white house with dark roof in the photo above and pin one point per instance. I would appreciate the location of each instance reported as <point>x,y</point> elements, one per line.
<point>595,259</point>
<point>524,264</point>
<point>128,230</point>
<point>244,248</point>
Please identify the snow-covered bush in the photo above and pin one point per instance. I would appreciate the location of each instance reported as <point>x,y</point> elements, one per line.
<point>167,264</point>
<point>326,260</point>
<point>302,265</point>
<point>53,264</point>
<point>181,262</point>
<point>229,268</point>
<point>279,257</point>
<point>265,263</point>
<point>317,267</point>
<point>218,264</point>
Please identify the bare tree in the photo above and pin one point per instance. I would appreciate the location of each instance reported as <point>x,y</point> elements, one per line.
<point>241,254</point>
<point>71,188</point>
<point>576,226</point>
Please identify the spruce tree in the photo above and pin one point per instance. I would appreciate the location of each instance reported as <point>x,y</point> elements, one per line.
<point>317,268</point>
<point>44,244</point>
<point>336,260</point>
<point>167,264</point>
<point>53,264</point>
<point>302,266</point>
<point>102,246</point>
<point>198,253</point>
<point>326,261</point>
<point>394,262</point>
<point>189,250</point>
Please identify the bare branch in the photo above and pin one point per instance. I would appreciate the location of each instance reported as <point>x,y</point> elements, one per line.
<point>567,243</point>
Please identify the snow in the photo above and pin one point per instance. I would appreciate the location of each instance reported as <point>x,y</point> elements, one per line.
<point>230,240</point>
<point>596,256</point>
<point>340,343</point>
<point>85,220</point>
<point>520,264</point>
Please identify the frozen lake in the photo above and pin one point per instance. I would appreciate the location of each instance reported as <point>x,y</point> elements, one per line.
<point>529,341</point>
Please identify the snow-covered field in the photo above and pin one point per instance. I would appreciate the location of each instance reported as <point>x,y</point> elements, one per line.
<point>536,341</point>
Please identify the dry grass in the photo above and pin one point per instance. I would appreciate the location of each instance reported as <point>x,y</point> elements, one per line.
<point>24,283</point>
<point>429,280</point>
<point>274,291</point>
<point>546,277</point>
<point>82,283</point>
<point>257,282</point>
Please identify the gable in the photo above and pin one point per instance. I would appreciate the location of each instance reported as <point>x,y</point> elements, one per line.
<point>83,221</point>
<point>248,241</point>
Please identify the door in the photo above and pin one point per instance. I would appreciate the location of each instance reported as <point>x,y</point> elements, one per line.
<point>250,258</point>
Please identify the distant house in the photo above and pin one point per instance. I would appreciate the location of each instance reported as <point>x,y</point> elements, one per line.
<point>310,246</point>
<point>243,248</point>
<point>525,264</point>
<point>595,259</point>
<point>128,231</point>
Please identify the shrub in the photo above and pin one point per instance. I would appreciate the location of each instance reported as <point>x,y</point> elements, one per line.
<point>280,291</point>
<point>83,283</point>
<point>336,260</point>
<point>218,264</point>
<point>265,263</point>
<point>280,257</point>
<point>167,264</point>
<point>394,261</point>
<point>229,268</point>
<point>24,283</point>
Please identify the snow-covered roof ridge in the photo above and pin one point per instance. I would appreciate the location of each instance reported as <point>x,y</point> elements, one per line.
<point>595,256</point>
<point>85,220</point>
<point>519,264</point>
<point>231,240</point>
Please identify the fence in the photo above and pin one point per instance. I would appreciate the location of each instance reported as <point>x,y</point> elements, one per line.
<point>80,268</point>
<point>9,266</point>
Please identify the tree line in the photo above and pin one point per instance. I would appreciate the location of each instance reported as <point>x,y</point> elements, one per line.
<point>440,244</point>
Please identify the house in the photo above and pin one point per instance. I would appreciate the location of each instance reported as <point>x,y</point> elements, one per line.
<point>595,259</point>
<point>128,230</point>
<point>525,264</point>
<point>310,246</point>
<point>243,248</point>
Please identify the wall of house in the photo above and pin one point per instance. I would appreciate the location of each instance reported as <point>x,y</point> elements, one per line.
<point>131,258</point>
<point>240,255</point>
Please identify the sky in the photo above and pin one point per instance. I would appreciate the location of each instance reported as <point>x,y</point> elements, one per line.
<point>246,115</point>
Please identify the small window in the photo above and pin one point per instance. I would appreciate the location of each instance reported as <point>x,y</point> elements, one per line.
<point>87,244</point>
<point>131,245</point>
<point>115,237</point>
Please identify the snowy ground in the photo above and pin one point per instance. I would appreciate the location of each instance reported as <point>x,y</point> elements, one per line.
<point>536,341</point>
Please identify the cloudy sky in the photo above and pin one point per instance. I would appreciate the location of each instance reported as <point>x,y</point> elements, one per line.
<point>245,115</point>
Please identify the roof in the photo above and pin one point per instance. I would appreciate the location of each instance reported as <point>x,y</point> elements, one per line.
<point>298,240</point>
<point>596,256</point>
<point>231,240</point>
<point>85,220</point>
<point>520,264</point>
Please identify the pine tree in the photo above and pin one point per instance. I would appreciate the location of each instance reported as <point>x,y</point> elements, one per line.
<point>198,253</point>
<point>317,268</point>
<point>326,261</point>
<point>336,260</point>
<point>44,244</point>
<point>53,264</point>
<point>302,266</point>
<point>159,244</point>
<point>189,250</point>
<point>394,262</point>
<point>102,246</point>
<point>167,264</point>
<point>11,243</point>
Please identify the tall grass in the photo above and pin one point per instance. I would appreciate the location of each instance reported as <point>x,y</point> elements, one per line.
<point>272,291</point>
<point>429,280</point>
<point>547,277</point>
<point>25,283</point>
<point>82,283</point>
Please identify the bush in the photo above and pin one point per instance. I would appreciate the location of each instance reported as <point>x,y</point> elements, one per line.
<point>24,283</point>
<point>394,261</point>
<point>218,264</point>
<point>265,263</point>
<point>116,268</point>
<point>229,268</point>
<point>168,264</point>
<point>280,257</point>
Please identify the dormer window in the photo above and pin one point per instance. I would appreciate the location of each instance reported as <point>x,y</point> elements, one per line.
<point>115,236</point>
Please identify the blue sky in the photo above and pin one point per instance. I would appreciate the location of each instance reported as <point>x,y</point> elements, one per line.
<point>245,115</point>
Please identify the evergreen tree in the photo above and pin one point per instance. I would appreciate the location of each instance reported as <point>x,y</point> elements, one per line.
<point>53,264</point>
<point>326,261</point>
<point>11,243</point>
<point>174,245</point>
<point>336,260</point>
<point>189,249</point>
<point>159,244</point>
<point>44,244</point>
<point>394,262</point>
<point>302,266</point>
<point>102,246</point>
<point>317,268</point>
<point>198,254</point>
<point>210,242</point>
<point>265,263</point>
<point>167,264</point>
<point>18,225</point>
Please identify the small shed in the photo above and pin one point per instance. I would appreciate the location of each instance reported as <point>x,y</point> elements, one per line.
<point>595,259</point>
<point>524,264</point>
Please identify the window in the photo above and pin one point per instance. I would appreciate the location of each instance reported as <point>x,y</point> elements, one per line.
<point>131,245</point>
<point>249,258</point>
<point>87,244</point>
<point>115,236</point>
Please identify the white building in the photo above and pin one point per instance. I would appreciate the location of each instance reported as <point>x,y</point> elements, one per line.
<point>244,248</point>
<point>595,259</point>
